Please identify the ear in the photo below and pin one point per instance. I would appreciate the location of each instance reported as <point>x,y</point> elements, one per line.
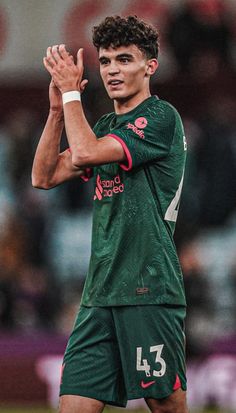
<point>152,65</point>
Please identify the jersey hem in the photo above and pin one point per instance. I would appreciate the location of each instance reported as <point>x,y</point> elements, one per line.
<point>144,395</point>
<point>128,304</point>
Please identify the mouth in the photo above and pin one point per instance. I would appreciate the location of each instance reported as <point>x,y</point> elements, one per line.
<point>114,82</point>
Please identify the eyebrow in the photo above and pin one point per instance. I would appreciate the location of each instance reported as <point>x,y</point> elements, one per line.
<point>124,55</point>
<point>121,55</point>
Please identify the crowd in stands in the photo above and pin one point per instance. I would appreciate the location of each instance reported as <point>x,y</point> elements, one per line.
<point>44,243</point>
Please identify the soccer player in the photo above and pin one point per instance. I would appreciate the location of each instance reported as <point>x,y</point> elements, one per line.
<point>128,339</point>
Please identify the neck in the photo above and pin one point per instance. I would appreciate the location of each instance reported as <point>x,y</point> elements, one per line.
<point>125,105</point>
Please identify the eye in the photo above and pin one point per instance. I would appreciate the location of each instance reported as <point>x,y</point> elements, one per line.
<point>124,60</point>
<point>104,62</point>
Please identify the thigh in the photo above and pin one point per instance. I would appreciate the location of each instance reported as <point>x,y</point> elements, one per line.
<point>91,365</point>
<point>152,348</point>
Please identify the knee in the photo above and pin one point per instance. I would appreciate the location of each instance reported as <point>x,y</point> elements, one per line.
<point>79,404</point>
<point>169,409</point>
<point>176,403</point>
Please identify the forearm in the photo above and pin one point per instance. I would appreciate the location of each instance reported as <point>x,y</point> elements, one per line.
<point>81,138</point>
<point>47,153</point>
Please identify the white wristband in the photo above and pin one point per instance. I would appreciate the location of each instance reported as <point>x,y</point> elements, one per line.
<point>70,96</point>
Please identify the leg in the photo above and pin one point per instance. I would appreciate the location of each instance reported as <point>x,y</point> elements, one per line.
<point>79,404</point>
<point>91,368</point>
<point>175,403</point>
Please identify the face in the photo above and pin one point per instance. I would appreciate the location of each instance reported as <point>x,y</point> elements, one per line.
<point>124,71</point>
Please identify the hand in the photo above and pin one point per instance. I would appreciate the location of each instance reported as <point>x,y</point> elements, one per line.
<point>65,73</point>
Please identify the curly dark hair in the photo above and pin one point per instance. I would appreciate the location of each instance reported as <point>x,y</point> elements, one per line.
<point>116,31</point>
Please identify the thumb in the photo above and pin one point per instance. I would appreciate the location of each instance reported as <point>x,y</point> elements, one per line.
<point>52,83</point>
<point>80,60</point>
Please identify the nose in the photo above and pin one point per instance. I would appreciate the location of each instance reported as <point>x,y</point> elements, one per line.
<point>113,68</point>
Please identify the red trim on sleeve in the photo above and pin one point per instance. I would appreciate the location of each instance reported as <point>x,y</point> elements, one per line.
<point>87,175</point>
<point>127,153</point>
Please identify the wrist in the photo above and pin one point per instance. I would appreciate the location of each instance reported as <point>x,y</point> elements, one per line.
<point>58,115</point>
<point>70,96</point>
<point>70,88</point>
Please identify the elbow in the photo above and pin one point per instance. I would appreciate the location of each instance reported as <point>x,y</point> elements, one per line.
<point>40,183</point>
<point>81,160</point>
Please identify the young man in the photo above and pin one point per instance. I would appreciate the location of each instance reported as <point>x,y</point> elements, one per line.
<point>128,339</point>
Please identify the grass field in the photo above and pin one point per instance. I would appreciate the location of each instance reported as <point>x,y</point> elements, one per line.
<point>107,410</point>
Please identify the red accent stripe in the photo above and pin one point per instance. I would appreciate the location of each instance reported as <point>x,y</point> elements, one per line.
<point>99,185</point>
<point>127,153</point>
<point>177,384</point>
<point>98,193</point>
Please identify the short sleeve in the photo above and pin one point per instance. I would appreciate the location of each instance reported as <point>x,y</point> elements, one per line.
<point>147,138</point>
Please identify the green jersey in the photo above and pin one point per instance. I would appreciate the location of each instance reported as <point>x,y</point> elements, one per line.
<point>133,258</point>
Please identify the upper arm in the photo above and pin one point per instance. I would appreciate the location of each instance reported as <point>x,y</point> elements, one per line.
<point>105,150</point>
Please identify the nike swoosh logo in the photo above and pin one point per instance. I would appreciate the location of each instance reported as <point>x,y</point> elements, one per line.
<point>146,385</point>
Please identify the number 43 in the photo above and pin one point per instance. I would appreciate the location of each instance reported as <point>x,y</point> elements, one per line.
<point>142,364</point>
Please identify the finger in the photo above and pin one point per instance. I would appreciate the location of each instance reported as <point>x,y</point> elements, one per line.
<point>55,53</point>
<point>65,55</point>
<point>83,85</point>
<point>80,60</point>
<point>47,65</point>
<point>49,56</point>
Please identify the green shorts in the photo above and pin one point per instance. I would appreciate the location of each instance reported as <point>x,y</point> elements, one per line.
<point>116,354</point>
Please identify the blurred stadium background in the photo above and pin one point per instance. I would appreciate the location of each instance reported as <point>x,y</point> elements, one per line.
<point>45,236</point>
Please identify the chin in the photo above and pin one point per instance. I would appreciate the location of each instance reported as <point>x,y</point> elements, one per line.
<point>115,95</point>
<point>118,96</point>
